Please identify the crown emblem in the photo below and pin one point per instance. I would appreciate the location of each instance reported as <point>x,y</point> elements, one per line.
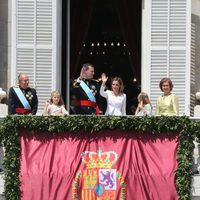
<point>99,159</point>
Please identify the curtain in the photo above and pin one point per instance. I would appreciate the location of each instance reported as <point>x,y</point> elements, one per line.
<point>129,13</point>
<point>79,22</point>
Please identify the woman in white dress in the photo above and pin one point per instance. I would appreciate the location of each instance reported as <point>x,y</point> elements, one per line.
<point>116,99</point>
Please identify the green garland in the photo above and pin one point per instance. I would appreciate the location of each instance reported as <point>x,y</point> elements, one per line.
<point>89,126</point>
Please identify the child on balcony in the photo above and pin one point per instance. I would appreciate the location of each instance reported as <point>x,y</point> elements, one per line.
<point>55,106</point>
<point>144,107</point>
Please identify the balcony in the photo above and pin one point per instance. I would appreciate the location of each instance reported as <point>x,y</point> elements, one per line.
<point>141,124</point>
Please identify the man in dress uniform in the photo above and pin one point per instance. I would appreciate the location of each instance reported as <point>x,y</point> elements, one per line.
<point>22,99</point>
<point>86,90</point>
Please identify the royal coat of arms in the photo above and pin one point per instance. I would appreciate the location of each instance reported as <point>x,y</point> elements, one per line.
<point>99,181</point>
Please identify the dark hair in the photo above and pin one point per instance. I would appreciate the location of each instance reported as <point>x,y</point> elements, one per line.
<point>166,80</point>
<point>87,65</point>
<point>121,85</point>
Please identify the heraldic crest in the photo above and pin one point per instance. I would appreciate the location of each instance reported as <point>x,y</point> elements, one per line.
<point>98,180</point>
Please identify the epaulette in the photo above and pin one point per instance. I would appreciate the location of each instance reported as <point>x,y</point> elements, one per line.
<point>75,83</point>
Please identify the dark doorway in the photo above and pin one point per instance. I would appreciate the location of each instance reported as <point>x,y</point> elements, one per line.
<point>107,33</point>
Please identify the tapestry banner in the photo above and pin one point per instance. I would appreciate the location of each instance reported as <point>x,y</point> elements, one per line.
<point>113,165</point>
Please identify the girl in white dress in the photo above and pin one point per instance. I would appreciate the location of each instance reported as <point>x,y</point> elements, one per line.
<point>144,107</point>
<point>116,99</point>
<point>55,106</point>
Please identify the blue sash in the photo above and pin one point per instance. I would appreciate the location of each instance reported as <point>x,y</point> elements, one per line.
<point>22,98</point>
<point>87,91</point>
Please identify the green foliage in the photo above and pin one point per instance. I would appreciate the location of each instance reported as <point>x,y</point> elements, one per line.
<point>91,127</point>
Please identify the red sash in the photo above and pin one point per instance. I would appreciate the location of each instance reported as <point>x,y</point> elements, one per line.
<point>23,111</point>
<point>88,103</point>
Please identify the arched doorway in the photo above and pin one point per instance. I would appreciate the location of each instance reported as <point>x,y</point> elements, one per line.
<point>107,33</point>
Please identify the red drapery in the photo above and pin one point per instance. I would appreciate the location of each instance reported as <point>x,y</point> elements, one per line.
<point>130,21</point>
<point>136,167</point>
<point>129,13</point>
<point>79,22</point>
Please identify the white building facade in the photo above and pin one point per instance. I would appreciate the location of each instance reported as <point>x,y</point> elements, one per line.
<point>166,47</point>
<point>170,48</point>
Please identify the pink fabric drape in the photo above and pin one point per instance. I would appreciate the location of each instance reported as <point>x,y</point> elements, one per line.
<point>140,167</point>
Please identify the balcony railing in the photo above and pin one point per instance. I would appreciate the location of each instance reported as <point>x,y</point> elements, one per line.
<point>146,123</point>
